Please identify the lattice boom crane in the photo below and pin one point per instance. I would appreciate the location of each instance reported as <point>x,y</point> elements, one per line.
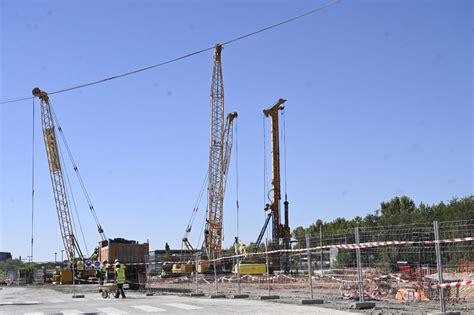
<point>57,179</point>
<point>220,148</point>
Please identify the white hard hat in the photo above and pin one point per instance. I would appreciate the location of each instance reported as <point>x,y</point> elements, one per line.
<point>116,261</point>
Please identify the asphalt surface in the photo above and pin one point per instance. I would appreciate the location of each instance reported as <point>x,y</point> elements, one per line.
<point>44,300</point>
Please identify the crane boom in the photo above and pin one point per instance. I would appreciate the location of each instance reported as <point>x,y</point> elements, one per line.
<point>216,155</point>
<point>220,148</point>
<point>57,178</point>
<point>228,142</point>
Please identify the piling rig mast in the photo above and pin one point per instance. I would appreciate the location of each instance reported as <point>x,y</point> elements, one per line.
<point>280,232</point>
<point>57,179</point>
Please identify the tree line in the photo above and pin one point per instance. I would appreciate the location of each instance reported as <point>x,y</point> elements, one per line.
<point>396,220</point>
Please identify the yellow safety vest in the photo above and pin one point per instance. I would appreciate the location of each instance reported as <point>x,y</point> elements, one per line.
<point>103,268</point>
<point>120,274</point>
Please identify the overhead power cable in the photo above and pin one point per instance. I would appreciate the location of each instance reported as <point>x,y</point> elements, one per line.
<point>178,58</point>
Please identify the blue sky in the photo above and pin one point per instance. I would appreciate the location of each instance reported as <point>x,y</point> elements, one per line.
<point>379,105</point>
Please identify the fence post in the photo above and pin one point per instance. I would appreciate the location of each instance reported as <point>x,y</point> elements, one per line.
<point>359,266</point>
<point>196,263</point>
<point>268,266</point>
<point>361,304</point>
<point>321,245</point>
<point>312,300</point>
<point>147,275</point>
<point>73,280</point>
<point>238,276</point>
<point>196,266</point>
<point>268,297</point>
<point>215,274</point>
<point>217,295</point>
<point>310,273</point>
<point>439,266</point>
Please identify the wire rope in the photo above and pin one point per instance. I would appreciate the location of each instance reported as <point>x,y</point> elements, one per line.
<point>132,72</point>
<point>264,171</point>
<point>70,192</point>
<point>76,170</point>
<point>32,180</point>
<point>237,175</point>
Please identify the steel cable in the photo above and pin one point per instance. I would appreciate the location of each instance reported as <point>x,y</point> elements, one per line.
<point>178,58</point>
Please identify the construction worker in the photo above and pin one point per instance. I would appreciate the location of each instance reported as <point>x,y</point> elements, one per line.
<point>102,272</point>
<point>120,278</point>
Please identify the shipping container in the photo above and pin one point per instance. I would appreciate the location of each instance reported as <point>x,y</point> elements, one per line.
<point>130,253</point>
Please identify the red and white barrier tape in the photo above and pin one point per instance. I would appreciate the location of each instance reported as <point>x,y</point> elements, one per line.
<point>338,246</point>
<point>353,246</point>
<point>452,284</point>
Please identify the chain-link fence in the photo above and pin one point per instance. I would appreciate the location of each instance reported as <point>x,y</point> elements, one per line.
<point>418,266</point>
<point>414,267</point>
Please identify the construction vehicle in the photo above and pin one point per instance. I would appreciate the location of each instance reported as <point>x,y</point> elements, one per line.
<point>71,245</point>
<point>108,249</point>
<point>183,267</point>
<point>220,147</point>
<point>281,234</point>
<point>57,179</point>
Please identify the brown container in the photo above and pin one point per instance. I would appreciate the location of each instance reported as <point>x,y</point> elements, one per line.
<point>127,252</point>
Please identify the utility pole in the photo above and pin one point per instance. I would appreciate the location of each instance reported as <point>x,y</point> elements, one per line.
<point>55,260</point>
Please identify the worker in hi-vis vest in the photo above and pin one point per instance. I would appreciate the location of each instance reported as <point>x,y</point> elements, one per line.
<point>120,278</point>
<point>102,272</point>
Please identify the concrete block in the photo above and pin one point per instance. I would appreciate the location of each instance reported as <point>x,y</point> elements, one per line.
<point>444,313</point>
<point>78,296</point>
<point>196,294</point>
<point>313,301</point>
<point>363,305</point>
<point>269,297</point>
<point>240,296</point>
<point>217,296</point>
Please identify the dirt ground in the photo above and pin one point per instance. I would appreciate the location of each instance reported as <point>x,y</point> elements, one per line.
<point>335,294</point>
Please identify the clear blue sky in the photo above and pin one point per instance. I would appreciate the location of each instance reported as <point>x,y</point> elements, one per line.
<point>379,105</point>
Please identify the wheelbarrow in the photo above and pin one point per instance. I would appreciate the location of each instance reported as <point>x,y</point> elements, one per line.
<point>108,288</point>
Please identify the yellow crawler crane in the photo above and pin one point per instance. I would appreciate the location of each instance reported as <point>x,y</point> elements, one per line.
<point>60,193</point>
<point>57,178</point>
<point>220,148</point>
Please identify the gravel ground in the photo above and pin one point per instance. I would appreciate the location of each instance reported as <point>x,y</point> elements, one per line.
<point>295,292</point>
